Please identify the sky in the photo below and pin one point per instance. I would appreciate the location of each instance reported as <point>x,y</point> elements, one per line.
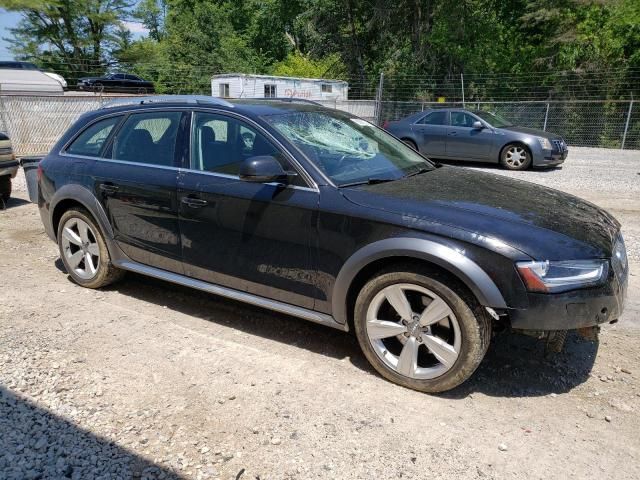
<point>10,19</point>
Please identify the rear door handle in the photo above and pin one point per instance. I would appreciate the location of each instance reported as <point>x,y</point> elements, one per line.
<point>108,188</point>
<point>194,202</point>
<point>452,134</point>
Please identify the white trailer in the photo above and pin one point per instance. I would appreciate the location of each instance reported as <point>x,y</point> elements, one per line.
<point>239,85</point>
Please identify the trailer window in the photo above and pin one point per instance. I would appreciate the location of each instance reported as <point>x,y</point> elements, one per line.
<point>326,88</point>
<point>270,91</point>
<point>224,90</point>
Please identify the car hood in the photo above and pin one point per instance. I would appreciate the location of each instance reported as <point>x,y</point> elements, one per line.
<point>541,222</point>
<point>531,131</point>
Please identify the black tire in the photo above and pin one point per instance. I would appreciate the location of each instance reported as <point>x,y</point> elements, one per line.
<point>519,150</point>
<point>142,91</point>
<point>410,143</point>
<point>5,188</point>
<point>474,327</point>
<point>98,87</point>
<point>106,273</point>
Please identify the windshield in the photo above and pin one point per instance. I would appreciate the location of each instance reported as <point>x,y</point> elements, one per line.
<point>494,119</point>
<point>348,149</point>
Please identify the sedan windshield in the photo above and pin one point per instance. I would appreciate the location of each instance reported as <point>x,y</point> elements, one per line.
<point>347,149</point>
<point>494,119</point>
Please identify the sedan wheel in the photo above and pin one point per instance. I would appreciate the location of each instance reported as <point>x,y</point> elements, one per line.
<point>515,157</point>
<point>418,332</point>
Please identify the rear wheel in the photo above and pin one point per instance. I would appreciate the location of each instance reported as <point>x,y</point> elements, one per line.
<point>418,332</point>
<point>84,251</point>
<point>410,143</point>
<point>5,188</point>
<point>515,157</point>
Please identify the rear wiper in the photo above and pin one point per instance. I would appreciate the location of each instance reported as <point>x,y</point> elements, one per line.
<point>368,181</point>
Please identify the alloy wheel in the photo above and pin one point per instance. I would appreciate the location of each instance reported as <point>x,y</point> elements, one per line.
<point>80,248</point>
<point>413,331</point>
<point>516,156</point>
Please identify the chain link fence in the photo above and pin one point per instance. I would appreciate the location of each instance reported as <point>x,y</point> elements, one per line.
<point>35,123</point>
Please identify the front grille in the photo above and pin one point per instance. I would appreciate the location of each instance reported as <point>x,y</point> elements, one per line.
<point>560,145</point>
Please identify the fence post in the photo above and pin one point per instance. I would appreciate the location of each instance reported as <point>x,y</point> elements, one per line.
<point>546,116</point>
<point>379,99</point>
<point>462,83</point>
<point>626,125</point>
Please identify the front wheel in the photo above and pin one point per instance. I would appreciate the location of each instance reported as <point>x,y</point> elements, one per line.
<point>418,332</point>
<point>515,157</point>
<point>84,251</point>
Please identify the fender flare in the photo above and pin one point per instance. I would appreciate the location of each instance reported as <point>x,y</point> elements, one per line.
<point>85,197</point>
<point>465,269</point>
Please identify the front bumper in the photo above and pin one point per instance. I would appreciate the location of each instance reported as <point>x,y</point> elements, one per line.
<point>575,309</point>
<point>9,168</point>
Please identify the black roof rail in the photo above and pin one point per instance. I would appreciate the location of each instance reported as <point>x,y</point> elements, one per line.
<point>191,99</point>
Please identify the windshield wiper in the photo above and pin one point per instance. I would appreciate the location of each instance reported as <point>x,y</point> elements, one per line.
<point>419,171</point>
<point>368,181</point>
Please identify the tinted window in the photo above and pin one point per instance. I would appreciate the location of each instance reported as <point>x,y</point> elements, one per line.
<point>119,76</point>
<point>461,119</point>
<point>220,144</point>
<point>435,118</point>
<point>132,77</point>
<point>148,138</point>
<point>91,141</point>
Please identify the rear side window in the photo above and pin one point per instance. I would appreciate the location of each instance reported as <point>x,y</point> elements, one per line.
<point>90,142</point>
<point>148,138</point>
<point>435,118</point>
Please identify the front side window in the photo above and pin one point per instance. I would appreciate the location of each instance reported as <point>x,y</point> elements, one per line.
<point>90,142</point>
<point>494,119</point>
<point>220,144</point>
<point>347,149</point>
<point>462,119</point>
<point>435,118</point>
<point>148,138</point>
<point>270,91</point>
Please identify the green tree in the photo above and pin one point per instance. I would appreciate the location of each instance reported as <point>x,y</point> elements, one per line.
<point>73,37</point>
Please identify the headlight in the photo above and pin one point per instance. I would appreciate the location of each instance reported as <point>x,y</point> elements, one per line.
<point>554,277</point>
<point>619,259</point>
<point>545,143</point>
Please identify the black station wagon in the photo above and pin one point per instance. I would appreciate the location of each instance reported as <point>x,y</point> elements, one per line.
<point>321,215</point>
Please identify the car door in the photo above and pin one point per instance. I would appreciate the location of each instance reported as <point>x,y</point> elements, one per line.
<point>137,187</point>
<point>431,132</point>
<point>252,237</point>
<point>465,142</point>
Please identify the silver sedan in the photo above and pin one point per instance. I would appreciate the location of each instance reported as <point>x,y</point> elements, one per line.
<point>456,134</point>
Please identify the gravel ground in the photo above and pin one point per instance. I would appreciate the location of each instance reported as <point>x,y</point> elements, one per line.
<point>149,380</point>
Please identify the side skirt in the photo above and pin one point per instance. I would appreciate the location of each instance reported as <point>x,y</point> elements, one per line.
<point>267,303</point>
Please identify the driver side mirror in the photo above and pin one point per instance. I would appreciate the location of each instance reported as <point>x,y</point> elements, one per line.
<point>478,125</point>
<point>262,169</point>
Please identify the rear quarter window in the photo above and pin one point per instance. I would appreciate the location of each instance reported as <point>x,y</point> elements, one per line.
<point>90,142</point>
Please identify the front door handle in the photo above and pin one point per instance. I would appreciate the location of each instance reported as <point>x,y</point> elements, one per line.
<point>194,202</point>
<point>452,134</point>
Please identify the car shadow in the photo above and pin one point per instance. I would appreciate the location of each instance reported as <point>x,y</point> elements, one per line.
<point>244,317</point>
<point>12,203</point>
<point>515,365</point>
<point>495,166</point>
<point>37,443</point>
